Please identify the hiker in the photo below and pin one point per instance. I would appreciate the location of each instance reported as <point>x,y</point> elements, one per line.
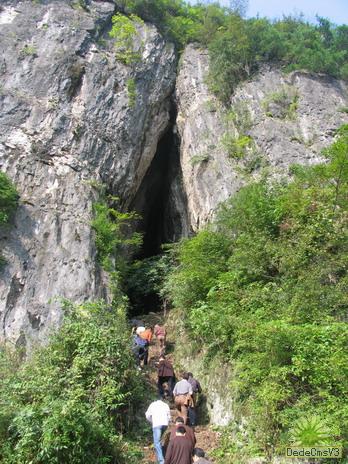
<point>160,333</point>
<point>165,374</point>
<point>199,457</point>
<point>158,413</point>
<point>140,350</point>
<point>196,389</point>
<point>146,334</point>
<point>179,449</point>
<point>183,396</point>
<point>190,434</point>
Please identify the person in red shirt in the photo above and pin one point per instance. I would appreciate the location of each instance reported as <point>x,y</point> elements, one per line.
<point>160,333</point>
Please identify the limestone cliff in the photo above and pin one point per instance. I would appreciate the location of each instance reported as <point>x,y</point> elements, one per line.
<point>73,116</point>
<point>67,122</point>
<point>286,119</point>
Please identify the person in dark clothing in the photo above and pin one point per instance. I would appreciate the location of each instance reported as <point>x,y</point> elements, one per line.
<point>165,374</point>
<point>196,390</point>
<point>199,457</point>
<point>180,449</point>
<point>190,434</point>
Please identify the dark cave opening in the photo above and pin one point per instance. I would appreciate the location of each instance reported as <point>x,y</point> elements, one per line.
<point>161,203</point>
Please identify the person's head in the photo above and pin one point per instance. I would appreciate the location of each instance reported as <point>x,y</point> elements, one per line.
<point>198,453</point>
<point>190,374</point>
<point>180,430</point>
<point>185,376</point>
<point>179,420</point>
<point>162,357</point>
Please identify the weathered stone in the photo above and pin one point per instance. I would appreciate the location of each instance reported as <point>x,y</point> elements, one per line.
<point>280,134</point>
<point>67,123</point>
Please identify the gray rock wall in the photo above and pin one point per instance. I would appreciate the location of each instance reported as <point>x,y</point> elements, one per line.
<point>292,118</point>
<point>67,123</point>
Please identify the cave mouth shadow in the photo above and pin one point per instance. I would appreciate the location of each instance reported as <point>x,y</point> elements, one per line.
<point>162,207</point>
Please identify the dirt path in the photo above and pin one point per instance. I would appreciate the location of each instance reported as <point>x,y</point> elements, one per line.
<point>206,437</point>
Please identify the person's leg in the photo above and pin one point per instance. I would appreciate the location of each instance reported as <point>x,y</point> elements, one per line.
<point>146,355</point>
<point>192,416</point>
<point>171,385</point>
<point>157,433</point>
<point>160,386</point>
<point>184,412</point>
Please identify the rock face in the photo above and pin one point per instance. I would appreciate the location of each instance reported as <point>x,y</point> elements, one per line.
<point>73,117</point>
<point>274,121</point>
<point>69,122</point>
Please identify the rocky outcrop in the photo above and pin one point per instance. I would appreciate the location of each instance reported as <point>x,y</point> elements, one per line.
<point>72,117</point>
<point>274,121</point>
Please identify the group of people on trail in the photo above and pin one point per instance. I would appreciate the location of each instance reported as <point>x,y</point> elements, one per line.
<point>178,444</point>
<point>142,337</point>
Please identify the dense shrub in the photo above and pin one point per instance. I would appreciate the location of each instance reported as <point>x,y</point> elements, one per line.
<point>73,401</point>
<point>266,287</point>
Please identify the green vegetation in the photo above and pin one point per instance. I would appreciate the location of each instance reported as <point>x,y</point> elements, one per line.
<point>8,199</point>
<point>75,400</point>
<point>8,202</point>
<point>28,50</point>
<point>282,104</point>
<point>198,159</point>
<point>237,147</point>
<point>265,288</point>
<point>113,234</point>
<point>239,46</point>
<point>124,31</point>
<point>132,92</point>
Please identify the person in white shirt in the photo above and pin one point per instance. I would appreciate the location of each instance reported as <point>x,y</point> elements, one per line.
<point>158,413</point>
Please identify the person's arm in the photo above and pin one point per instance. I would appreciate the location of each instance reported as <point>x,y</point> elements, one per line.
<point>168,414</point>
<point>148,414</point>
<point>175,390</point>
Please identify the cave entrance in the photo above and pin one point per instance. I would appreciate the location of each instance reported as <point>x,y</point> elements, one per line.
<point>161,203</point>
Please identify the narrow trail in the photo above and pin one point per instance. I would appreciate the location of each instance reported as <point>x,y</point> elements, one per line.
<point>206,437</point>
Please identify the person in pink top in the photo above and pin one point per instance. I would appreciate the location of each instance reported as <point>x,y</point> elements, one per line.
<point>160,334</point>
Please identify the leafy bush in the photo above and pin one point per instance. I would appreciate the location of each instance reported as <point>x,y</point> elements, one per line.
<point>125,33</point>
<point>266,287</point>
<point>113,233</point>
<point>8,198</point>
<point>73,400</point>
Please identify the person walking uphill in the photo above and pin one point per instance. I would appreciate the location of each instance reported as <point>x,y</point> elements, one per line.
<point>165,374</point>
<point>158,413</point>
<point>160,333</point>
<point>183,396</point>
<point>196,389</point>
<point>180,449</point>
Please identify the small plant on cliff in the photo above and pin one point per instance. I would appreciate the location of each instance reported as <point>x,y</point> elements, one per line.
<point>282,104</point>
<point>125,33</point>
<point>8,198</point>
<point>114,236</point>
<point>132,92</point>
